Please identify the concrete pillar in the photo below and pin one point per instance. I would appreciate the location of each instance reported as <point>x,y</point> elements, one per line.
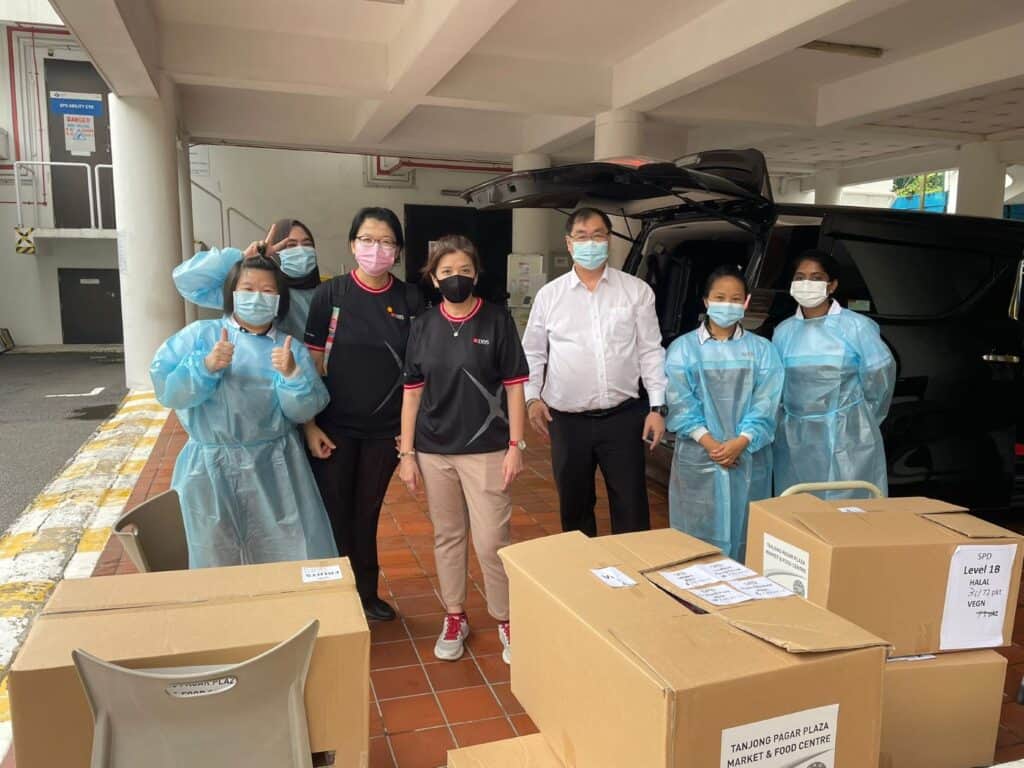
<point>981,182</point>
<point>531,227</point>
<point>618,133</point>
<point>827,190</point>
<point>185,212</point>
<point>142,133</point>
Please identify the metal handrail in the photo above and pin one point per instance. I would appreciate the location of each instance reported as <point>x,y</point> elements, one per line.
<point>88,184</point>
<point>220,203</point>
<point>99,197</point>
<point>256,224</point>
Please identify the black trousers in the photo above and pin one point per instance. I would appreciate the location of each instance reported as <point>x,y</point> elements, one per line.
<point>579,444</point>
<point>352,483</point>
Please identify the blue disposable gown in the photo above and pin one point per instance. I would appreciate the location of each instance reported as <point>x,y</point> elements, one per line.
<point>840,377</point>
<point>729,388</point>
<point>247,491</point>
<point>201,281</point>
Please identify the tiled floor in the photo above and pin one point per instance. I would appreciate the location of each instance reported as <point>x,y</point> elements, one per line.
<point>420,708</point>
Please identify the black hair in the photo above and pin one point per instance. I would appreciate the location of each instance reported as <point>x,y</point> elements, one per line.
<point>823,259</point>
<point>726,270</point>
<point>582,214</point>
<point>280,231</point>
<point>259,262</point>
<point>380,214</point>
<point>447,245</point>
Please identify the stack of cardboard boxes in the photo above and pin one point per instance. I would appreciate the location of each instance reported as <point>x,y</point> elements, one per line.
<point>194,618</point>
<point>937,583</point>
<point>653,650</point>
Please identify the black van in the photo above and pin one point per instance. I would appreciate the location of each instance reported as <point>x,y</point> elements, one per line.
<point>946,291</point>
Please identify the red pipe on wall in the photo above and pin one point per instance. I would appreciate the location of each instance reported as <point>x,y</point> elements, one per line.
<point>441,165</point>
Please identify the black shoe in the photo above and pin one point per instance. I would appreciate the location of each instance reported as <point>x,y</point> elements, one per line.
<point>377,610</point>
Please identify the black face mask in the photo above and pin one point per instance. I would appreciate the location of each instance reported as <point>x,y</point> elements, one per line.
<point>456,288</point>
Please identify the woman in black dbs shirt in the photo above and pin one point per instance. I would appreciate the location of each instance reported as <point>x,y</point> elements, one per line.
<point>463,418</point>
<point>357,332</point>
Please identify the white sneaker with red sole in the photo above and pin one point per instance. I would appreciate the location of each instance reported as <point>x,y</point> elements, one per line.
<point>505,634</point>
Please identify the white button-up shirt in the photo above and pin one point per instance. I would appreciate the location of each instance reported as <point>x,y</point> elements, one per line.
<point>588,350</point>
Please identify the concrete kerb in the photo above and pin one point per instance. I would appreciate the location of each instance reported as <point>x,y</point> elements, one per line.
<point>62,533</point>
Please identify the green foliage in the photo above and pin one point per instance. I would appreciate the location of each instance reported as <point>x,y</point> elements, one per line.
<point>910,186</point>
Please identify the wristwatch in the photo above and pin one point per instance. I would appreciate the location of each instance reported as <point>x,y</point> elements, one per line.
<point>520,444</point>
<point>661,410</point>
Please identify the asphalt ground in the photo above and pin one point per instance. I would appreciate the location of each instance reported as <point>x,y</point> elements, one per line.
<point>39,434</point>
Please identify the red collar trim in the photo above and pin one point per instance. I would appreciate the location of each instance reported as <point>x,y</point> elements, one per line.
<point>476,309</point>
<point>368,289</point>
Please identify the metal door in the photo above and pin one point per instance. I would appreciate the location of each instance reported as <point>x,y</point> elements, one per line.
<point>79,131</point>
<point>90,306</point>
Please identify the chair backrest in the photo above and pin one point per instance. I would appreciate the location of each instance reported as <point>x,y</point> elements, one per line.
<point>250,714</point>
<point>153,534</point>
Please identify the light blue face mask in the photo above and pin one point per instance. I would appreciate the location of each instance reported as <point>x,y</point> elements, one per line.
<point>256,308</point>
<point>298,261</point>
<point>725,314</point>
<point>590,254</point>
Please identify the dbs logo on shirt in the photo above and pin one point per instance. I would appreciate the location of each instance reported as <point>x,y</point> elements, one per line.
<point>483,342</point>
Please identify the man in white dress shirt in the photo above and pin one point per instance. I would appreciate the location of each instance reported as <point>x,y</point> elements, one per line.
<point>593,335</point>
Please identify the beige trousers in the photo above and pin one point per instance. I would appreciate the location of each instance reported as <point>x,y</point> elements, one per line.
<point>464,496</point>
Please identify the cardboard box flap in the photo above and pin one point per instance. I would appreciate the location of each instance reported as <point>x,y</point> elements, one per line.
<point>859,526</point>
<point>659,549</point>
<point>970,526</point>
<point>524,752</point>
<point>914,505</point>
<point>206,585</point>
<point>798,626</point>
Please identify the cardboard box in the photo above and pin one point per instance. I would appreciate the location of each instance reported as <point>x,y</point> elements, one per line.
<point>616,671</point>
<point>525,752</point>
<point>942,711</point>
<point>923,574</point>
<point>185,618</point>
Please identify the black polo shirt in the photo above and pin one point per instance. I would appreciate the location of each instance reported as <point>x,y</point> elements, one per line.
<point>463,366</point>
<point>364,333</point>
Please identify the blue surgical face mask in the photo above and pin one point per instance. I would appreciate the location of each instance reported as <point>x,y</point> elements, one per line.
<point>256,308</point>
<point>298,261</point>
<point>590,254</point>
<point>725,314</point>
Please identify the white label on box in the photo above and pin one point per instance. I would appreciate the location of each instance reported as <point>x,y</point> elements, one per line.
<point>852,510</point>
<point>976,596</point>
<point>786,565</point>
<point>613,577</point>
<point>721,594</point>
<point>725,570</point>
<point>689,578</point>
<point>321,573</point>
<point>804,739</point>
<point>919,657</point>
<point>761,588</point>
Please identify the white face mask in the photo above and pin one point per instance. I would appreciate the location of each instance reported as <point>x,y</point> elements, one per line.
<point>809,293</point>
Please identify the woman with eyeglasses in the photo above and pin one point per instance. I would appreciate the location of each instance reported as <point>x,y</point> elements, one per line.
<point>357,332</point>
<point>289,244</point>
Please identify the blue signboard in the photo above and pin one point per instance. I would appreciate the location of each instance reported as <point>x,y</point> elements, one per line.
<point>67,103</point>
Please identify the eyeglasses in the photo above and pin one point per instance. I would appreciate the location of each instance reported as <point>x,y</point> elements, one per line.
<point>597,237</point>
<point>384,242</point>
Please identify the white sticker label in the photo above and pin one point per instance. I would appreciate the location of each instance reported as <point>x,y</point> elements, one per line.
<point>804,739</point>
<point>721,594</point>
<point>321,573</point>
<point>725,570</point>
<point>689,578</point>
<point>852,510</point>
<point>761,588</point>
<point>613,577</point>
<point>920,657</point>
<point>976,596</point>
<point>786,565</point>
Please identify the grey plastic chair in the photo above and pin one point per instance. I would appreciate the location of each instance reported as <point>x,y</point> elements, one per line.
<point>250,714</point>
<point>153,534</point>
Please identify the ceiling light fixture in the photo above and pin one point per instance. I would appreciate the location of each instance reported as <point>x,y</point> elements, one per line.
<point>845,49</point>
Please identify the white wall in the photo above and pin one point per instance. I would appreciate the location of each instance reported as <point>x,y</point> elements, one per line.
<point>322,189</point>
